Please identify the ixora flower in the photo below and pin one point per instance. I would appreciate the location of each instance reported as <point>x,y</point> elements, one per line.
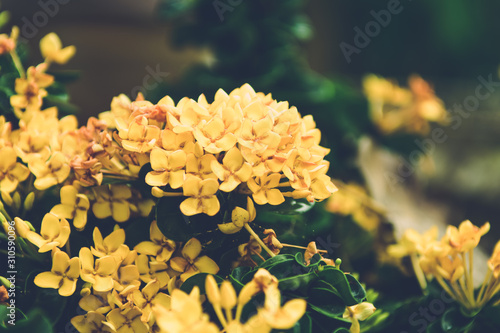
<point>190,263</point>
<point>54,232</point>
<point>264,189</point>
<point>11,171</point>
<point>112,245</point>
<point>73,206</point>
<point>149,297</point>
<point>201,195</point>
<point>63,276</point>
<point>466,236</point>
<point>152,270</point>
<point>159,246</point>
<point>168,168</point>
<point>233,171</point>
<point>127,320</point>
<point>184,315</point>
<point>358,312</point>
<point>51,172</point>
<point>91,322</point>
<point>52,50</point>
<point>112,200</point>
<point>99,273</point>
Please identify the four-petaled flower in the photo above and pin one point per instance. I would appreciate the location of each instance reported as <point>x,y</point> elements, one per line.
<point>190,263</point>
<point>149,297</point>
<point>159,246</point>
<point>54,232</point>
<point>73,205</point>
<point>63,276</point>
<point>112,201</point>
<point>264,191</point>
<point>11,171</point>
<point>100,274</point>
<point>202,198</point>
<point>51,172</point>
<point>233,171</point>
<point>168,168</point>
<point>52,50</point>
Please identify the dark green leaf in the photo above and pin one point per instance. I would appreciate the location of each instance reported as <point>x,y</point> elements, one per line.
<point>198,280</point>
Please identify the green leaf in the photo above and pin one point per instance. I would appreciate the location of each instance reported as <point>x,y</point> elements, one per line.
<point>198,280</point>
<point>171,222</point>
<point>237,275</point>
<point>453,321</point>
<point>326,301</point>
<point>338,280</point>
<point>36,322</point>
<point>298,283</point>
<point>289,207</point>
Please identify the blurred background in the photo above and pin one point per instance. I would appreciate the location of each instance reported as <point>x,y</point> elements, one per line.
<point>128,46</point>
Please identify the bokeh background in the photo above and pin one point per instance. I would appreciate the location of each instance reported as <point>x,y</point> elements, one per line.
<point>449,43</point>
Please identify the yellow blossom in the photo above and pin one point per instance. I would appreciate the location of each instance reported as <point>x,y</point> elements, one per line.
<point>127,320</point>
<point>202,198</point>
<point>148,298</point>
<point>73,206</point>
<point>466,236</point>
<point>200,166</point>
<point>112,245</point>
<point>239,217</point>
<point>494,261</point>
<point>213,137</point>
<point>264,191</point>
<point>138,136</point>
<point>358,312</point>
<point>159,246</point>
<point>11,171</point>
<point>52,50</point>
<point>233,171</point>
<point>63,276</point>
<point>91,322</point>
<point>8,43</point>
<point>100,273</point>
<point>152,270</point>
<point>279,317</point>
<point>112,201</point>
<point>51,172</point>
<point>54,232</point>
<point>168,168</point>
<point>271,241</point>
<point>311,250</point>
<point>413,242</point>
<point>185,314</point>
<point>191,263</point>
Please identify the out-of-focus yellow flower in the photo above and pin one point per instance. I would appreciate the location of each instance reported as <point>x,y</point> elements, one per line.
<point>8,43</point>
<point>185,314</point>
<point>466,236</point>
<point>63,276</point>
<point>202,198</point>
<point>73,206</point>
<point>159,246</point>
<point>264,189</point>
<point>494,261</point>
<point>191,263</point>
<point>5,133</point>
<point>100,274</point>
<point>91,322</point>
<point>112,200</point>
<point>148,298</point>
<point>11,171</point>
<point>413,242</point>
<point>311,250</point>
<point>54,232</point>
<point>138,136</point>
<point>112,245</point>
<point>279,317</point>
<point>168,168</point>
<point>152,270</point>
<point>52,50</point>
<point>450,268</point>
<point>358,312</point>
<point>239,217</point>
<point>233,171</point>
<point>51,172</point>
<point>127,319</point>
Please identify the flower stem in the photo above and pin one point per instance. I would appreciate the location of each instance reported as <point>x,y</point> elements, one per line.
<point>257,238</point>
<point>419,273</point>
<point>18,64</point>
<point>301,247</point>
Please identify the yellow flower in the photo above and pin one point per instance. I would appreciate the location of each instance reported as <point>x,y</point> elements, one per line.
<point>32,144</point>
<point>168,168</point>
<point>272,241</point>
<point>413,242</point>
<point>11,171</point>
<point>5,133</point>
<point>258,135</point>
<point>96,301</point>
<point>127,320</point>
<point>279,317</point>
<point>73,206</point>
<point>112,201</point>
<point>239,217</point>
<point>127,277</point>
<point>148,298</point>
<point>160,246</point>
<point>152,270</point>
<point>8,43</point>
<point>63,276</point>
<point>466,237</point>
<point>494,261</point>
<point>200,166</point>
<point>52,50</point>
<point>450,268</point>
<point>112,245</point>
<point>190,263</point>
<point>264,191</point>
<point>358,312</point>
<point>54,232</point>
<point>185,314</point>
<point>100,274</point>
<point>202,198</point>
<point>138,136</point>
<point>233,171</point>
<point>90,323</point>
<point>51,172</point>
<point>213,137</point>
<point>311,250</point>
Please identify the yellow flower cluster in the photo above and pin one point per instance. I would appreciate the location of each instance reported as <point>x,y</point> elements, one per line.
<point>243,141</point>
<point>185,315</point>
<point>450,261</point>
<point>393,108</point>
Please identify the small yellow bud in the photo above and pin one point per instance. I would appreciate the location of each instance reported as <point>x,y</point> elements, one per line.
<point>247,292</point>
<point>28,202</point>
<point>6,198</point>
<point>16,204</point>
<point>212,290</point>
<point>228,299</point>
